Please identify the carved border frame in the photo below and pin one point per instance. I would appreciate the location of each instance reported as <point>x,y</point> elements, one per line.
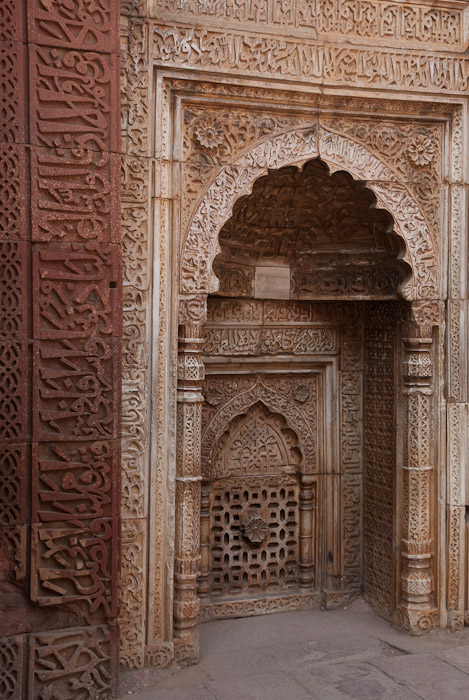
<point>165,94</point>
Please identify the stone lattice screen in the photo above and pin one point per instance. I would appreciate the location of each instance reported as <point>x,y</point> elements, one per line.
<point>60,330</point>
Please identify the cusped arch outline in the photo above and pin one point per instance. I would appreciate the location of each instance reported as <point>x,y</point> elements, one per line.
<point>275,402</point>
<point>295,148</point>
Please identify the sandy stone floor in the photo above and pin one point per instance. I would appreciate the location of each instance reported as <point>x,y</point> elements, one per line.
<point>333,655</point>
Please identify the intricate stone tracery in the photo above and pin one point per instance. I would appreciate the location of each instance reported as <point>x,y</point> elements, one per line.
<point>219,137</point>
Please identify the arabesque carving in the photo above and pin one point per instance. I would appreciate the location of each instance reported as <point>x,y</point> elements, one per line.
<point>211,141</point>
<point>295,148</point>
<point>275,401</point>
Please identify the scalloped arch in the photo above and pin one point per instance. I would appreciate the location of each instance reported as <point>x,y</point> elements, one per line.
<point>274,402</point>
<point>295,148</point>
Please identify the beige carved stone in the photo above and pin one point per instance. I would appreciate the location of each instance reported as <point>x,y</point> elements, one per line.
<point>325,140</point>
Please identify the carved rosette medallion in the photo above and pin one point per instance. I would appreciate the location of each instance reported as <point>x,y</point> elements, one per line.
<point>255,528</point>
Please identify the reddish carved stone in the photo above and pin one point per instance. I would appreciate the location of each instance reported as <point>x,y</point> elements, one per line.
<point>11,21</point>
<point>82,26</point>
<point>14,286</point>
<point>13,557</point>
<point>13,484</point>
<point>14,383</point>
<point>11,667</point>
<point>76,389</point>
<point>75,481</point>
<point>73,663</point>
<point>13,90</point>
<point>14,188</point>
<point>75,562</point>
<point>72,197</point>
<point>74,97</point>
<point>76,291</point>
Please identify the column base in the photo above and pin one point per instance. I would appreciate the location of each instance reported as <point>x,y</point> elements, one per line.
<point>186,647</point>
<point>455,620</point>
<point>416,621</point>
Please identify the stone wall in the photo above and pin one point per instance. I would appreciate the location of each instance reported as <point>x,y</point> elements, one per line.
<point>61,331</point>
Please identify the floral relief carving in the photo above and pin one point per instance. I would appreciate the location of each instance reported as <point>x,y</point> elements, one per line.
<point>217,136</point>
<point>274,396</point>
<point>135,351</point>
<point>224,148</point>
<point>421,150</point>
<point>208,131</point>
<point>255,528</point>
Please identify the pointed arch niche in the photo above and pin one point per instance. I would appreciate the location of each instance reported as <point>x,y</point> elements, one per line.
<point>308,271</point>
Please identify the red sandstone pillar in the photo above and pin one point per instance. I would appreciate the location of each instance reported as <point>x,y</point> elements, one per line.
<point>61,334</point>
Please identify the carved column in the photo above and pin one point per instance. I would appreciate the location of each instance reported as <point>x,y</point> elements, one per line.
<point>307,508</point>
<point>417,612</point>
<point>188,478</point>
<point>204,579</point>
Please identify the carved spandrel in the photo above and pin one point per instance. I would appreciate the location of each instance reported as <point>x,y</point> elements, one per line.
<point>259,441</point>
<point>202,245</point>
<point>217,137</point>
<point>413,151</point>
<point>295,400</point>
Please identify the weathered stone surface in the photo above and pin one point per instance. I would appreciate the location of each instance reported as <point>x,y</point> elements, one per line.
<point>381,221</point>
<point>343,167</point>
<point>62,296</point>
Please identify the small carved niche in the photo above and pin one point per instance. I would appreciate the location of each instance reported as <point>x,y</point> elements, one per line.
<point>257,442</point>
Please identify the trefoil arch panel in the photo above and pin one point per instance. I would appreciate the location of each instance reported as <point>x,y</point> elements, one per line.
<point>274,402</point>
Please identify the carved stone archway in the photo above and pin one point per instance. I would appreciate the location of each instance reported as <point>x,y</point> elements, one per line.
<point>276,403</point>
<point>417,606</point>
<point>295,148</point>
